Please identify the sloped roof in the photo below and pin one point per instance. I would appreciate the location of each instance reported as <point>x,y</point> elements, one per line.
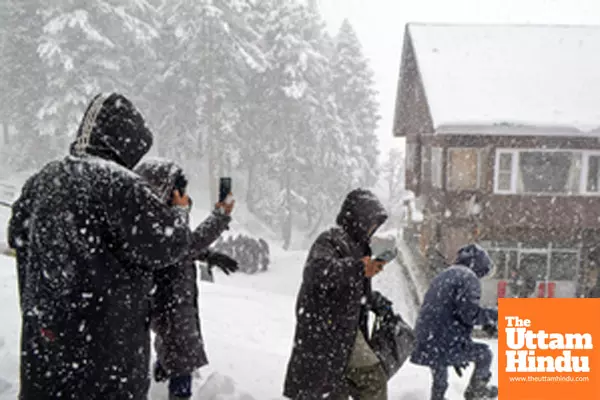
<point>526,77</point>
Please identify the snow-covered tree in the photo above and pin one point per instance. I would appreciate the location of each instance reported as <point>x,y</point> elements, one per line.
<point>176,90</point>
<point>232,57</point>
<point>253,89</point>
<point>357,105</point>
<point>296,68</point>
<point>213,54</point>
<point>87,48</point>
<point>23,80</point>
<point>328,167</point>
<point>393,178</point>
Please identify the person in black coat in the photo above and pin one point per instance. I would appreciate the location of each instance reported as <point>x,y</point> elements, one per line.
<point>593,291</point>
<point>331,357</point>
<point>445,324</point>
<point>89,235</point>
<point>175,312</point>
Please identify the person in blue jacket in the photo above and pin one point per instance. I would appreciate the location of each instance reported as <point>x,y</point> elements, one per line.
<point>445,324</point>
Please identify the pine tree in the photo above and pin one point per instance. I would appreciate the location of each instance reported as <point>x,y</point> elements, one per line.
<point>357,105</point>
<point>213,50</point>
<point>294,73</point>
<point>87,49</point>
<point>23,83</point>
<point>5,67</point>
<point>176,87</point>
<point>232,57</point>
<point>254,133</point>
<point>328,170</point>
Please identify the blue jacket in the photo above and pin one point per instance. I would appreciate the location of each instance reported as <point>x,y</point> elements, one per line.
<point>449,312</point>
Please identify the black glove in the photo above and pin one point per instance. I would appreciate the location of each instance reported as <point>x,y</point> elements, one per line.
<point>379,304</point>
<point>459,369</point>
<point>490,329</point>
<point>226,263</point>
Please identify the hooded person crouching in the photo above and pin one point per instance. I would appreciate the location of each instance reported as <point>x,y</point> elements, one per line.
<point>444,327</point>
<point>175,312</point>
<point>331,357</point>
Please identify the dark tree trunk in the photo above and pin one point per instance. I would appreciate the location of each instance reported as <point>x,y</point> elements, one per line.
<point>288,209</point>
<point>5,133</point>
<point>250,188</point>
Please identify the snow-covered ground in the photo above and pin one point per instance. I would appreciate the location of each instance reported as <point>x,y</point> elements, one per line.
<point>248,323</point>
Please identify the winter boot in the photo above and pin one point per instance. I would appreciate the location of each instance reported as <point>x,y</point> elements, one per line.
<point>175,397</point>
<point>479,389</point>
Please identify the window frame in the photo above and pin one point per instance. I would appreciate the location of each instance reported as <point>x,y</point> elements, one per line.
<point>515,154</point>
<point>585,166</point>
<point>478,183</point>
<point>514,165</point>
<point>548,250</point>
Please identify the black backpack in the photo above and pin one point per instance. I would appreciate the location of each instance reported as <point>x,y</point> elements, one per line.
<point>392,340</point>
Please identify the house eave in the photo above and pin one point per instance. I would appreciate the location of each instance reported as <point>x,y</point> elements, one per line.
<point>516,130</point>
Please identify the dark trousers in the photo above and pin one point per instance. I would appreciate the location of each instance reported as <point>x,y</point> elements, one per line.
<point>479,353</point>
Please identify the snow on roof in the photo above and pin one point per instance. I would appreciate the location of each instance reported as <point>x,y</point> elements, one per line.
<point>517,78</point>
<point>513,129</point>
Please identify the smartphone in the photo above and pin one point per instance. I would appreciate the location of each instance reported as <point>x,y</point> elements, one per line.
<point>386,256</point>
<point>224,189</point>
<point>181,184</point>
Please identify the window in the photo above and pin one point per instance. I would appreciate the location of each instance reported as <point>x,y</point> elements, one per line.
<point>549,172</point>
<point>436,167</point>
<point>504,172</point>
<point>534,265</point>
<point>546,172</point>
<point>591,174</point>
<point>463,168</point>
<point>535,261</point>
<point>563,266</point>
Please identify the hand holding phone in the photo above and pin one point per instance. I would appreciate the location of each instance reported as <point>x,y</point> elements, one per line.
<point>372,266</point>
<point>226,201</point>
<point>387,256</point>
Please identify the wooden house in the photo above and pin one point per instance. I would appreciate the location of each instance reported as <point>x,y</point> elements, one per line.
<point>502,128</point>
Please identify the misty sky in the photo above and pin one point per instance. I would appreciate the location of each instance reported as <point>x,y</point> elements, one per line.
<point>380,26</point>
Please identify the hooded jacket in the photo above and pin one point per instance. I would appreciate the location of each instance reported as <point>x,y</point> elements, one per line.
<point>451,309</point>
<point>175,312</point>
<point>89,234</point>
<point>331,304</point>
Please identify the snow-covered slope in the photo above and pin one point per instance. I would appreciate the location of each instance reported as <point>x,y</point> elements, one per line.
<point>248,323</point>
